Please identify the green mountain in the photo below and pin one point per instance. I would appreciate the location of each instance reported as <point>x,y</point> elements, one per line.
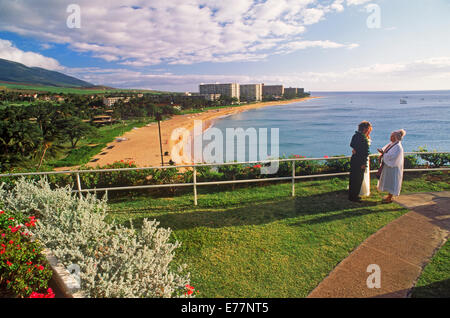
<point>18,73</point>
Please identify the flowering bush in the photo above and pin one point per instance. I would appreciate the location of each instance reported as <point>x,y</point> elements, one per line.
<point>310,167</point>
<point>114,261</point>
<point>219,173</point>
<point>23,270</point>
<point>232,172</point>
<point>164,176</point>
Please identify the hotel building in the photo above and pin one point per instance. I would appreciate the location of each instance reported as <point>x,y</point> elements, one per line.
<point>228,90</point>
<point>291,91</point>
<point>251,92</point>
<point>273,90</point>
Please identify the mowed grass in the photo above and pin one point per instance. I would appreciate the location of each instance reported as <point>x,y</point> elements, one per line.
<point>89,147</point>
<point>434,281</point>
<point>261,242</point>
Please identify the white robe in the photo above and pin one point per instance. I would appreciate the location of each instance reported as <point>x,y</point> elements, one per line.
<point>392,175</point>
<point>365,187</point>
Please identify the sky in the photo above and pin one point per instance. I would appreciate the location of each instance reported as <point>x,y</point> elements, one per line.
<point>174,45</point>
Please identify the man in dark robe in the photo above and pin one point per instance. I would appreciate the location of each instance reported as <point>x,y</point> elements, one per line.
<point>358,161</point>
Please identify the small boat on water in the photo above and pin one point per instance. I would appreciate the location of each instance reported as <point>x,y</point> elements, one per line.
<point>403,101</point>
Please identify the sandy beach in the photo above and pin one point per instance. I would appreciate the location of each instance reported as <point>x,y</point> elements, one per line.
<point>141,145</point>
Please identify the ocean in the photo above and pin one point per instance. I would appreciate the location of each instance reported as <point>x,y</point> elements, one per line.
<point>324,126</point>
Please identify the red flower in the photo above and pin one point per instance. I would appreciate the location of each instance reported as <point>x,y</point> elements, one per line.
<point>191,290</point>
<point>32,222</point>
<point>14,229</point>
<point>257,166</point>
<point>8,263</point>
<point>1,212</point>
<point>325,156</point>
<point>41,268</point>
<point>50,294</point>
<point>11,242</point>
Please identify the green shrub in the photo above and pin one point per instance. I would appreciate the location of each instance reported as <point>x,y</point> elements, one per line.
<point>119,178</point>
<point>411,162</point>
<point>435,160</point>
<point>114,261</point>
<point>337,165</point>
<point>232,172</point>
<point>284,169</point>
<point>208,173</point>
<point>310,167</point>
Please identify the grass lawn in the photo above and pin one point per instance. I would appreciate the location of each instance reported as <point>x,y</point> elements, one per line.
<point>89,147</point>
<point>434,281</point>
<point>259,241</point>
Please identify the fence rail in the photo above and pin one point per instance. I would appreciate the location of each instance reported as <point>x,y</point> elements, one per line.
<point>195,184</point>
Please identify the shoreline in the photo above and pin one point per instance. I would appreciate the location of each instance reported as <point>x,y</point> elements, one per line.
<point>209,121</point>
<point>142,145</point>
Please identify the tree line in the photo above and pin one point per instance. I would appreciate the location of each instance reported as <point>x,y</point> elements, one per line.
<point>40,129</point>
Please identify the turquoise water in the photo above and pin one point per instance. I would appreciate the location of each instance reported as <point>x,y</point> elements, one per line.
<point>324,126</point>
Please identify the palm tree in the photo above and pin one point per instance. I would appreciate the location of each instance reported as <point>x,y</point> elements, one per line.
<point>48,119</point>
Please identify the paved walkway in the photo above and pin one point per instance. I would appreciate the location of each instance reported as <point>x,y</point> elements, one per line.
<point>401,250</point>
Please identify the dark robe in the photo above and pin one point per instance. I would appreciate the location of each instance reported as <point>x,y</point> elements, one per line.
<point>359,159</point>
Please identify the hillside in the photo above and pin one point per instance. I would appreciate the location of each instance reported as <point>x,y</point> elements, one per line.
<point>18,73</point>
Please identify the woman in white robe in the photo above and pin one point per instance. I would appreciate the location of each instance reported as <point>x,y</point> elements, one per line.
<point>392,174</point>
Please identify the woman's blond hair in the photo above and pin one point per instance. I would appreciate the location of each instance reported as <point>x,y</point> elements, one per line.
<point>400,134</point>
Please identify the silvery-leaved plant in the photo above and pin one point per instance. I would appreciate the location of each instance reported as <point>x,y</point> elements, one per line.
<point>114,261</point>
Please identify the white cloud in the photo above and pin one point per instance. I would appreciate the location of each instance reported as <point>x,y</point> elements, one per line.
<point>431,73</point>
<point>357,2</point>
<point>139,33</point>
<point>46,46</point>
<point>337,5</point>
<point>300,45</point>
<point>312,15</point>
<point>9,52</point>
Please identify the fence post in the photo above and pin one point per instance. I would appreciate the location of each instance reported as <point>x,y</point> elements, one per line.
<point>79,184</point>
<point>293,178</point>
<point>195,185</point>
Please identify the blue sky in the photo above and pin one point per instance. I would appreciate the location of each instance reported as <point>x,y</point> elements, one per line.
<point>177,44</point>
